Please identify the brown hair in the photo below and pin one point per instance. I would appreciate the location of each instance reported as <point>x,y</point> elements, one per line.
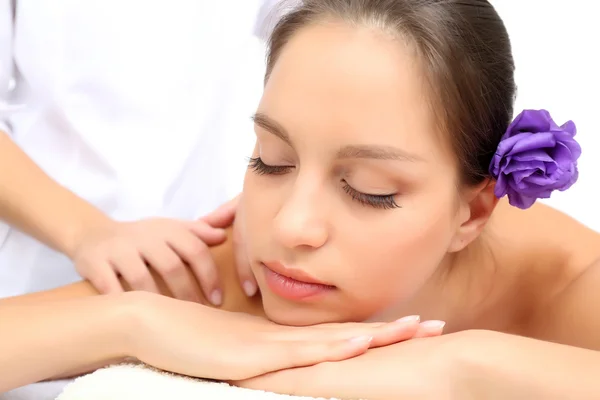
<point>467,60</point>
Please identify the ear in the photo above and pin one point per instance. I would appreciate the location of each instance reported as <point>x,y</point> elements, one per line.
<point>475,208</point>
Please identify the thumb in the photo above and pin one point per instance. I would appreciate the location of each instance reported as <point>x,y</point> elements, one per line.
<point>224,215</point>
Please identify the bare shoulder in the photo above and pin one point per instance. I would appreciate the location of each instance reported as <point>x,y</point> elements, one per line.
<point>562,257</point>
<point>556,260</point>
<point>548,238</point>
<point>571,315</point>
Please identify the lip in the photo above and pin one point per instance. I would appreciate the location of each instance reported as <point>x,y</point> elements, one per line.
<point>293,284</point>
<point>295,274</point>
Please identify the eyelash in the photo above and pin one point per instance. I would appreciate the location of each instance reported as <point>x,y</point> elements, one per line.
<point>383,201</point>
<point>261,168</point>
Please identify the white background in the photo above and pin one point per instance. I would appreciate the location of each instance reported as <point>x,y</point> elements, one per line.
<point>555,46</point>
<point>556,50</point>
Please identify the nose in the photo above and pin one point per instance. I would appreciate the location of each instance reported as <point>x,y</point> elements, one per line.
<point>302,220</point>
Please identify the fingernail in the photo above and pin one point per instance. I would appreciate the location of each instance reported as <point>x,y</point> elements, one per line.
<point>409,319</point>
<point>362,339</point>
<point>249,288</point>
<point>216,297</point>
<point>433,324</point>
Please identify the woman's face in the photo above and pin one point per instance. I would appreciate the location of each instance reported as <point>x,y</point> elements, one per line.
<point>350,185</point>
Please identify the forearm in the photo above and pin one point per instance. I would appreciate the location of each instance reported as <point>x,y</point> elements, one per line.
<point>44,340</point>
<point>511,367</point>
<point>33,202</point>
<point>73,291</point>
<point>57,298</point>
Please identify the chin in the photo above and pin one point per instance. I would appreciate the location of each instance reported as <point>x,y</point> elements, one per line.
<point>298,315</point>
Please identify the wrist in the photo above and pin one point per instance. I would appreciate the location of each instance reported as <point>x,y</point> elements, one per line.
<point>478,364</point>
<point>133,322</point>
<point>82,226</point>
<point>43,208</point>
<point>448,366</point>
<point>118,323</point>
<point>106,339</point>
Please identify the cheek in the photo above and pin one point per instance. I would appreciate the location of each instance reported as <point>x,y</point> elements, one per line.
<point>260,204</point>
<point>393,256</point>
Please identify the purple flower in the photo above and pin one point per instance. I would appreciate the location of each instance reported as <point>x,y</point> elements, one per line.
<point>534,158</point>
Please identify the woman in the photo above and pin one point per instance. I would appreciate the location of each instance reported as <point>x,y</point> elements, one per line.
<point>384,142</point>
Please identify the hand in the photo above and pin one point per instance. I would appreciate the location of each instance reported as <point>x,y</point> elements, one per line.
<point>176,250</point>
<point>223,217</point>
<point>418,368</point>
<point>195,340</point>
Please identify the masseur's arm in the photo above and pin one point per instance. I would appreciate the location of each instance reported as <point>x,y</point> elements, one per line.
<point>33,202</point>
<point>223,255</point>
<point>102,248</point>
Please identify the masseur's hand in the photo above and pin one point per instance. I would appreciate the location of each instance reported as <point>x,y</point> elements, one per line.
<point>223,217</point>
<point>174,249</point>
<point>195,340</point>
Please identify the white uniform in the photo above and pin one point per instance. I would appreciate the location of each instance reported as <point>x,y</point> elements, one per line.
<point>140,107</point>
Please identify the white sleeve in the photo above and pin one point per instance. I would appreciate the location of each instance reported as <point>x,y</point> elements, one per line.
<point>6,59</point>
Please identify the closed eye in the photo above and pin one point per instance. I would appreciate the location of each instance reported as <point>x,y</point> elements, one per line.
<point>258,166</point>
<point>381,201</point>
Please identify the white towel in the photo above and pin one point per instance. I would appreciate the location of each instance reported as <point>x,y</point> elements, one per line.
<point>136,381</point>
<point>36,391</point>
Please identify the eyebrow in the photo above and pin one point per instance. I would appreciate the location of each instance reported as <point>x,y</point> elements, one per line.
<point>375,152</point>
<point>272,126</point>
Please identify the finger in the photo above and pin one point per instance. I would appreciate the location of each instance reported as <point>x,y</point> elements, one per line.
<point>105,280</point>
<point>271,355</point>
<point>334,331</point>
<point>383,334</point>
<point>197,255</point>
<point>336,326</point>
<point>246,276</point>
<point>133,269</point>
<point>210,235</point>
<point>242,264</point>
<point>168,264</point>
<point>305,353</point>
<point>285,381</point>
<point>429,329</point>
<point>394,332</point>
<point>224,215</point>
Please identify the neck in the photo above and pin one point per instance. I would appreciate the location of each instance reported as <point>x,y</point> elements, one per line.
<point>469,290</point>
